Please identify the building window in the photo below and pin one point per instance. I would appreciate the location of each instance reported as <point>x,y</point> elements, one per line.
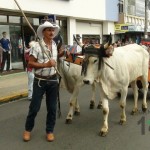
<point>90,39</point>
<point>3,18</point>
<point>29,19</point>
<point>14,19</point>
<point>36,21</point>
<point>120,6</point>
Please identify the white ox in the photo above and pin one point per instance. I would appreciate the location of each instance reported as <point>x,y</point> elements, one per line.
<point>71,75</point>
<point>127,64</point>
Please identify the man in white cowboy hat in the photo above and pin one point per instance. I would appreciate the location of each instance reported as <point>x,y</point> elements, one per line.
<point>45,80</point>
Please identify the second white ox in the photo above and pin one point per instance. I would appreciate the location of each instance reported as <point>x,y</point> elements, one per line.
<point>71,75</point>
<point>115,73</point>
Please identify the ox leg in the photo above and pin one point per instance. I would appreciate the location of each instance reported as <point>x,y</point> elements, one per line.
<point>77,108</point>
<point>92,102</point>
<point>145,90</point>
<point>104,129</point>
<point>73,103</point>
<point>99,106</point>
<point>135,93</point>
<point>123,105</point>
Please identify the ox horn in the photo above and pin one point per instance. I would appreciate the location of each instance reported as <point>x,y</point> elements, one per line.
<point>81,45</point>
<point>109,42</point>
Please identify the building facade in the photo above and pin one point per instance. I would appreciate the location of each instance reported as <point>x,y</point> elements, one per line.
<point>131,24</point>
<point>92,20</point>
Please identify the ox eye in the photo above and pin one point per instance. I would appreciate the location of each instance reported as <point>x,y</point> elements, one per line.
<point>95,60</point>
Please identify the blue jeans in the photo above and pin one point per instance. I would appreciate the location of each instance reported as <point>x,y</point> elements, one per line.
<point>6,56</point>
<point>50,88</point>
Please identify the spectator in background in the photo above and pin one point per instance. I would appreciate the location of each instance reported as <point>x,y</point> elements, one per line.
<point>1,53</point>
<point>30,71</point>
<point>119,43</point>
<point>6,46</point>
<point>21,48</point>
<point>20,45</point>
<point>114,45</point>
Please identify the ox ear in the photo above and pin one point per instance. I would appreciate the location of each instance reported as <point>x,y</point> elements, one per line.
<point>109,42</point>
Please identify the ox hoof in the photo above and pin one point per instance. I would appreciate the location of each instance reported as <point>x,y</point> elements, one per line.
<point>68,121</point>
<point>144,108</point>
<point>99,106</point>
<point>92,105</point>
<point>102,133</point>
<point>77,113</point>
<point>134,111</point>
<point>122,122</point>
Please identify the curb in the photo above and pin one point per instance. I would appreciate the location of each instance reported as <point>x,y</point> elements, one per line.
<point>11,75</point>
<point>13,97</point>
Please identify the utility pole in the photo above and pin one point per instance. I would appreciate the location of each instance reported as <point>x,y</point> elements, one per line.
<point>146,20</point>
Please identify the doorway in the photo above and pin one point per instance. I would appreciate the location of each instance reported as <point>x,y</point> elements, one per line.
<point>28,35</point>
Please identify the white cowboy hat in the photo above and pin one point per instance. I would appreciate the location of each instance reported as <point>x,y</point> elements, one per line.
<point>47,24</point>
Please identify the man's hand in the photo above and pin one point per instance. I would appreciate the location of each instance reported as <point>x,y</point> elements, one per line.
<point>50,63</point>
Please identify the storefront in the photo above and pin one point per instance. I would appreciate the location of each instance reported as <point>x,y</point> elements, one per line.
<point>129,33</point>
<point>18,30</point>
<point>90,32</point>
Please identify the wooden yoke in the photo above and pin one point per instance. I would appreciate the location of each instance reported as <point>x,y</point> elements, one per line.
<point>75,58</point>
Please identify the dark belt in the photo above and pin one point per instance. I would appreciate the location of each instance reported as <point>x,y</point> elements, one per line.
<point>46,77</point>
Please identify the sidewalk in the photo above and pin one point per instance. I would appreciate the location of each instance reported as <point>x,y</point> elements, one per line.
<point>13,86</point>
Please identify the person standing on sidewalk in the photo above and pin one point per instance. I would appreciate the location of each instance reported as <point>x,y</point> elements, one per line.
<point>30,71</point>
<point>45,80</point>
<point>1,53</point>
<point>5,44</point>
<point>22,48</point>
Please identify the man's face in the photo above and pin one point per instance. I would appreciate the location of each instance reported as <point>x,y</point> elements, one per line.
<point>4,35</point>
<point>49,33</point>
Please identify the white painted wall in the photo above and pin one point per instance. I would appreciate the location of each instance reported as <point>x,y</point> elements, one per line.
<point>94,9</point>
<point>88,28</point>
<point>71,30</point>
<point>108,27</point>
<point>80,28</point>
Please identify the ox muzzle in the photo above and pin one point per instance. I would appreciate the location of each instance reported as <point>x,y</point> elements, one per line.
<point>86,81</point>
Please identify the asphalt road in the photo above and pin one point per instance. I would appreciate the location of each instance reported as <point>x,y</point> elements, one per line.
<point>82,134</point>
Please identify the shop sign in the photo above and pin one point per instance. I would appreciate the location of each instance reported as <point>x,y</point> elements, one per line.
<point>140,28</point>
<point>121,28</point>
<point>131,28</point>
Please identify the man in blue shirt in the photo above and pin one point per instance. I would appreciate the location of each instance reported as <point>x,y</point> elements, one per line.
<point>5,44</point>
